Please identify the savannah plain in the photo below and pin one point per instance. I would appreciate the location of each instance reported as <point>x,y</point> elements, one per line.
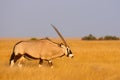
<point>93,60</point>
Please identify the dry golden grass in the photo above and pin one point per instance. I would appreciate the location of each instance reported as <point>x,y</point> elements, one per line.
<point>94,60</point>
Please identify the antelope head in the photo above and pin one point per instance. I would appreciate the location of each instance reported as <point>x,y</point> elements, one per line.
<point>68,51</point>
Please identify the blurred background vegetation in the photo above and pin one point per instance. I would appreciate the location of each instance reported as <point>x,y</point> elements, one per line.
<point>92,37</point>
<point>107,37</point>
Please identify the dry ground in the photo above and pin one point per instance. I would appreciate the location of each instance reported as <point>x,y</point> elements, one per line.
<point>94,60</point>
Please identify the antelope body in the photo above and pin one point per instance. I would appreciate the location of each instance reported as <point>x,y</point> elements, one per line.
<point>43,49</point>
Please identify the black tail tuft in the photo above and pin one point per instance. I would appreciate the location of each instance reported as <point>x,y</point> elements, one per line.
<point>11,58</point>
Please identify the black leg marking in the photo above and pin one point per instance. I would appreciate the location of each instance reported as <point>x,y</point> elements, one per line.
<point>11,58</point>
<point>17,57</point>
<point>40,61</point>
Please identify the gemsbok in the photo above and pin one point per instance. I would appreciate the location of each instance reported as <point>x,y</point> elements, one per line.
<point>42,49</point>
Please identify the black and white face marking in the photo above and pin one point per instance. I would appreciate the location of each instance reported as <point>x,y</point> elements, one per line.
<point>69,53</point>
<point>67,50</point>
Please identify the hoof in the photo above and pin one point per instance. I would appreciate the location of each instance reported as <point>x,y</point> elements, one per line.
<point>19,65</point>
<point>12,63</point>
<point>39,65</point>
<point>51,67</point>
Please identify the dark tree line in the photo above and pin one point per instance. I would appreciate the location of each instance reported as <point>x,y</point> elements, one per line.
<point>91,37</point>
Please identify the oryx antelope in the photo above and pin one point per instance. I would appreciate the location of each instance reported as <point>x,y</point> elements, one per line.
<point>43,49</point>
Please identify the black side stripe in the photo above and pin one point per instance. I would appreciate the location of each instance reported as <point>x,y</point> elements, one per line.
<point>29,56</point>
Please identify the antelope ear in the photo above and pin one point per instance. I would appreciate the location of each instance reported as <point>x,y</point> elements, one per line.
<point>60,45</point>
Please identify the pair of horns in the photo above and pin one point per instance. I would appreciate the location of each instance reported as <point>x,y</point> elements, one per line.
<point>59,34</point>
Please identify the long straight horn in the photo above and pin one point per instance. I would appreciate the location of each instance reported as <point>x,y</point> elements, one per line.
<point>59,34</point>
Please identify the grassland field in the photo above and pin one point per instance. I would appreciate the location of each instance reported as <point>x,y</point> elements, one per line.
<point>93,60</point>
